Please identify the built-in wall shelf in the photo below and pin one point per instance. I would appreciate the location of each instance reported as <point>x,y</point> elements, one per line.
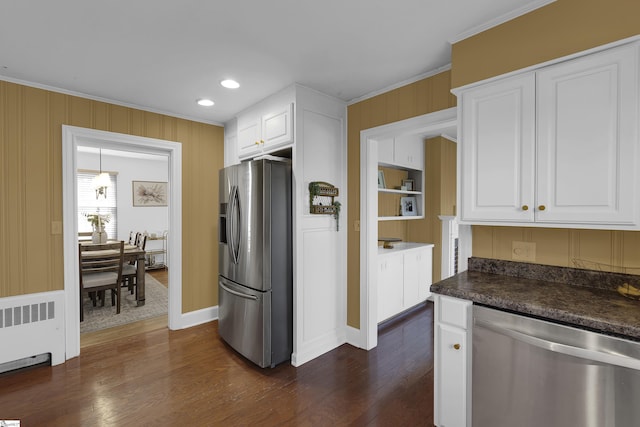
<point>399,218</point>
<point>391,190</point>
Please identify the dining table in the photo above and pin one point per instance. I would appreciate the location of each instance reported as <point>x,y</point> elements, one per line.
<point>132,253</point>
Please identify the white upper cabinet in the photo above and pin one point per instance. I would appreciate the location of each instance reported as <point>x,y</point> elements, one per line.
<point>264,131</point>
<point>557,146</point>
<point>588,139</point>
<point>405,151</point>
<point>498,152</point>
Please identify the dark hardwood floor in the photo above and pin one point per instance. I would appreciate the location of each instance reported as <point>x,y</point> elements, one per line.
<point>191,378</point>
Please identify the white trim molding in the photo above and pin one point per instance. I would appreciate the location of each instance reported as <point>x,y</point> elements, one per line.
<point>426,126</point>
<point>72,138</point>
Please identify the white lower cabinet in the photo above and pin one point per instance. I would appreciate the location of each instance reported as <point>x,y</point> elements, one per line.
<point>404,277</point>
<point>452,362</point>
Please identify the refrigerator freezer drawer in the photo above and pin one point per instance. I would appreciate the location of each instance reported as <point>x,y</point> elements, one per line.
<point>244,321</point>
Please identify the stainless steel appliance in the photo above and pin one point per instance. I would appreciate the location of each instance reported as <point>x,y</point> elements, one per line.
<point>255,288</point>
<point>530,372</point>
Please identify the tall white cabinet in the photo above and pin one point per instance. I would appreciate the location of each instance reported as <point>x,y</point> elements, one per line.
<point>311,127</point>
<point>554,146</point>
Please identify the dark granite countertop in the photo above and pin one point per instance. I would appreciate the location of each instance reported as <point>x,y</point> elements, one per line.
<point>583,298</point>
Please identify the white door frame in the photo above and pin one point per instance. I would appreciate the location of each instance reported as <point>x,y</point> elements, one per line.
<point>72,137</point>
<point>427,125</point>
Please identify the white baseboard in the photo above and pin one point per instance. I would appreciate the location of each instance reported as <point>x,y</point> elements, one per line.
<point>194,318</point>
<point>317,347</point>
<point>355,337</point>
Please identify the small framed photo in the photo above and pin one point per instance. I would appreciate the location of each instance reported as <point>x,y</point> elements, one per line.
<point>408,184</point>
<point>381,183</point>
<point>149,193</point>
<point>408,206</point>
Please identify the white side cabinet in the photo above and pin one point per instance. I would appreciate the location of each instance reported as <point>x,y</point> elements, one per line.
<point>262,131</point>
<point>558,146</point>
<point>404,277</point>
<point>452,362</point>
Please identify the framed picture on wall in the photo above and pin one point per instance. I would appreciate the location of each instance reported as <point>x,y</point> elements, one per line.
<point>408,206</point>
<point>149,193</point>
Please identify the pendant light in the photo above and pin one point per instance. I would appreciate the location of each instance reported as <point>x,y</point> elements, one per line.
<point>102,181</point>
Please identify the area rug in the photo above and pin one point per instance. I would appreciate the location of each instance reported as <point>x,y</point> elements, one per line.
<point>98,318</point>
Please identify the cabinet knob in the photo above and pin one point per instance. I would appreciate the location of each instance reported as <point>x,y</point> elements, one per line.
<point>262,141</point>
<point>456,346</point>
<point>541,208</point>
<point>257,142</point>
<point>525,207</point>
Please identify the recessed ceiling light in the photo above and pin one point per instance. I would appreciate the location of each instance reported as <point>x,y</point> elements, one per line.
<point>205,102</point>
<point>230,84</point>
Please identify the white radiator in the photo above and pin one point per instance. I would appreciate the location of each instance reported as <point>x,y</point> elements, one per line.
<point>31,325</point>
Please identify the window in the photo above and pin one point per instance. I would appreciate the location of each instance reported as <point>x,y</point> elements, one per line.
<point>88,204</point>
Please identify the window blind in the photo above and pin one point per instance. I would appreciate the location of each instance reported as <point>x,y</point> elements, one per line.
<point>88,204</point>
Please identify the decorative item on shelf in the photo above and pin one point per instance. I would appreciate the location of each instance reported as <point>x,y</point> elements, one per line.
<point>324,189</point>
<point>387,242</point>
<point>381,183</point>
<point>408,184</point>
<point>408,206</point>
<point>97,222</point>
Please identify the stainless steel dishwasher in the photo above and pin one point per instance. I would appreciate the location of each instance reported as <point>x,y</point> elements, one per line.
<point>530,372</point>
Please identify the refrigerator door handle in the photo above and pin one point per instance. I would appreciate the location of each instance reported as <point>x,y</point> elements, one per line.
<point>233,224</point>
<point>238,294</point>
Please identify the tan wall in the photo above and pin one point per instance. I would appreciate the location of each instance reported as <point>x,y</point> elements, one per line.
<point>31,257</point>
<point>559,29</point>
<point>422,97</point>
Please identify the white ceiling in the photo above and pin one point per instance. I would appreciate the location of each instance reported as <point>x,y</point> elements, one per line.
<point>162,55</point>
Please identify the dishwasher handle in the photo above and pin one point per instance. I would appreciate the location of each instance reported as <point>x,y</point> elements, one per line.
<point>597,356</point>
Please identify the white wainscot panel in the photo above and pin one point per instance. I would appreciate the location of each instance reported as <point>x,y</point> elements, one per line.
<point>320,282</point>
<point>323,154</point>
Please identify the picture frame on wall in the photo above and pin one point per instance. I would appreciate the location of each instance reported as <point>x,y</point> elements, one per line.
<point>381,183</point>
<point>408,206</point>
<point>149,193</point>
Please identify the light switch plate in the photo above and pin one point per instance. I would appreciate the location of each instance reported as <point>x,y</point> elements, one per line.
<point>56,227</point>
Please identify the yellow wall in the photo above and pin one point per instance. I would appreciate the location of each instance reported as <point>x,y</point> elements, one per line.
<point>556,30</point>
<point>422,97</point>
<point>31,257</point>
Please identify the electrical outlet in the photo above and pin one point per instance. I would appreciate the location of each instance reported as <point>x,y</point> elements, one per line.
<point>523,251</point>
<point>356,225</point>
<point>56,227</point>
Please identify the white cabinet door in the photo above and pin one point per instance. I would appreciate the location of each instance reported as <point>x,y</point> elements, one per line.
<point>451,387</point>
<point>498,151</point>
<point>390,286</point>
<point>248,136</point>
<point>385,151</point>
<point>417,276</point>
<point>409,151</point>
<point>277,128</point>
<point>263,133</point>
<point>588,139</point>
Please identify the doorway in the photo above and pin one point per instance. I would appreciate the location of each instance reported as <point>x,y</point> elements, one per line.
<point>138,220</point>
<point>74,137</point>
<point>426,126</point>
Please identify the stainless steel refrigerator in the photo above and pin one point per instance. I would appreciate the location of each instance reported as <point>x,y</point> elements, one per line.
<point>255,287</point>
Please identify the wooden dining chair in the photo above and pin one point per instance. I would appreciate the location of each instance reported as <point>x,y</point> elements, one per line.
<point>130,270</point>
<point>100,271</point>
